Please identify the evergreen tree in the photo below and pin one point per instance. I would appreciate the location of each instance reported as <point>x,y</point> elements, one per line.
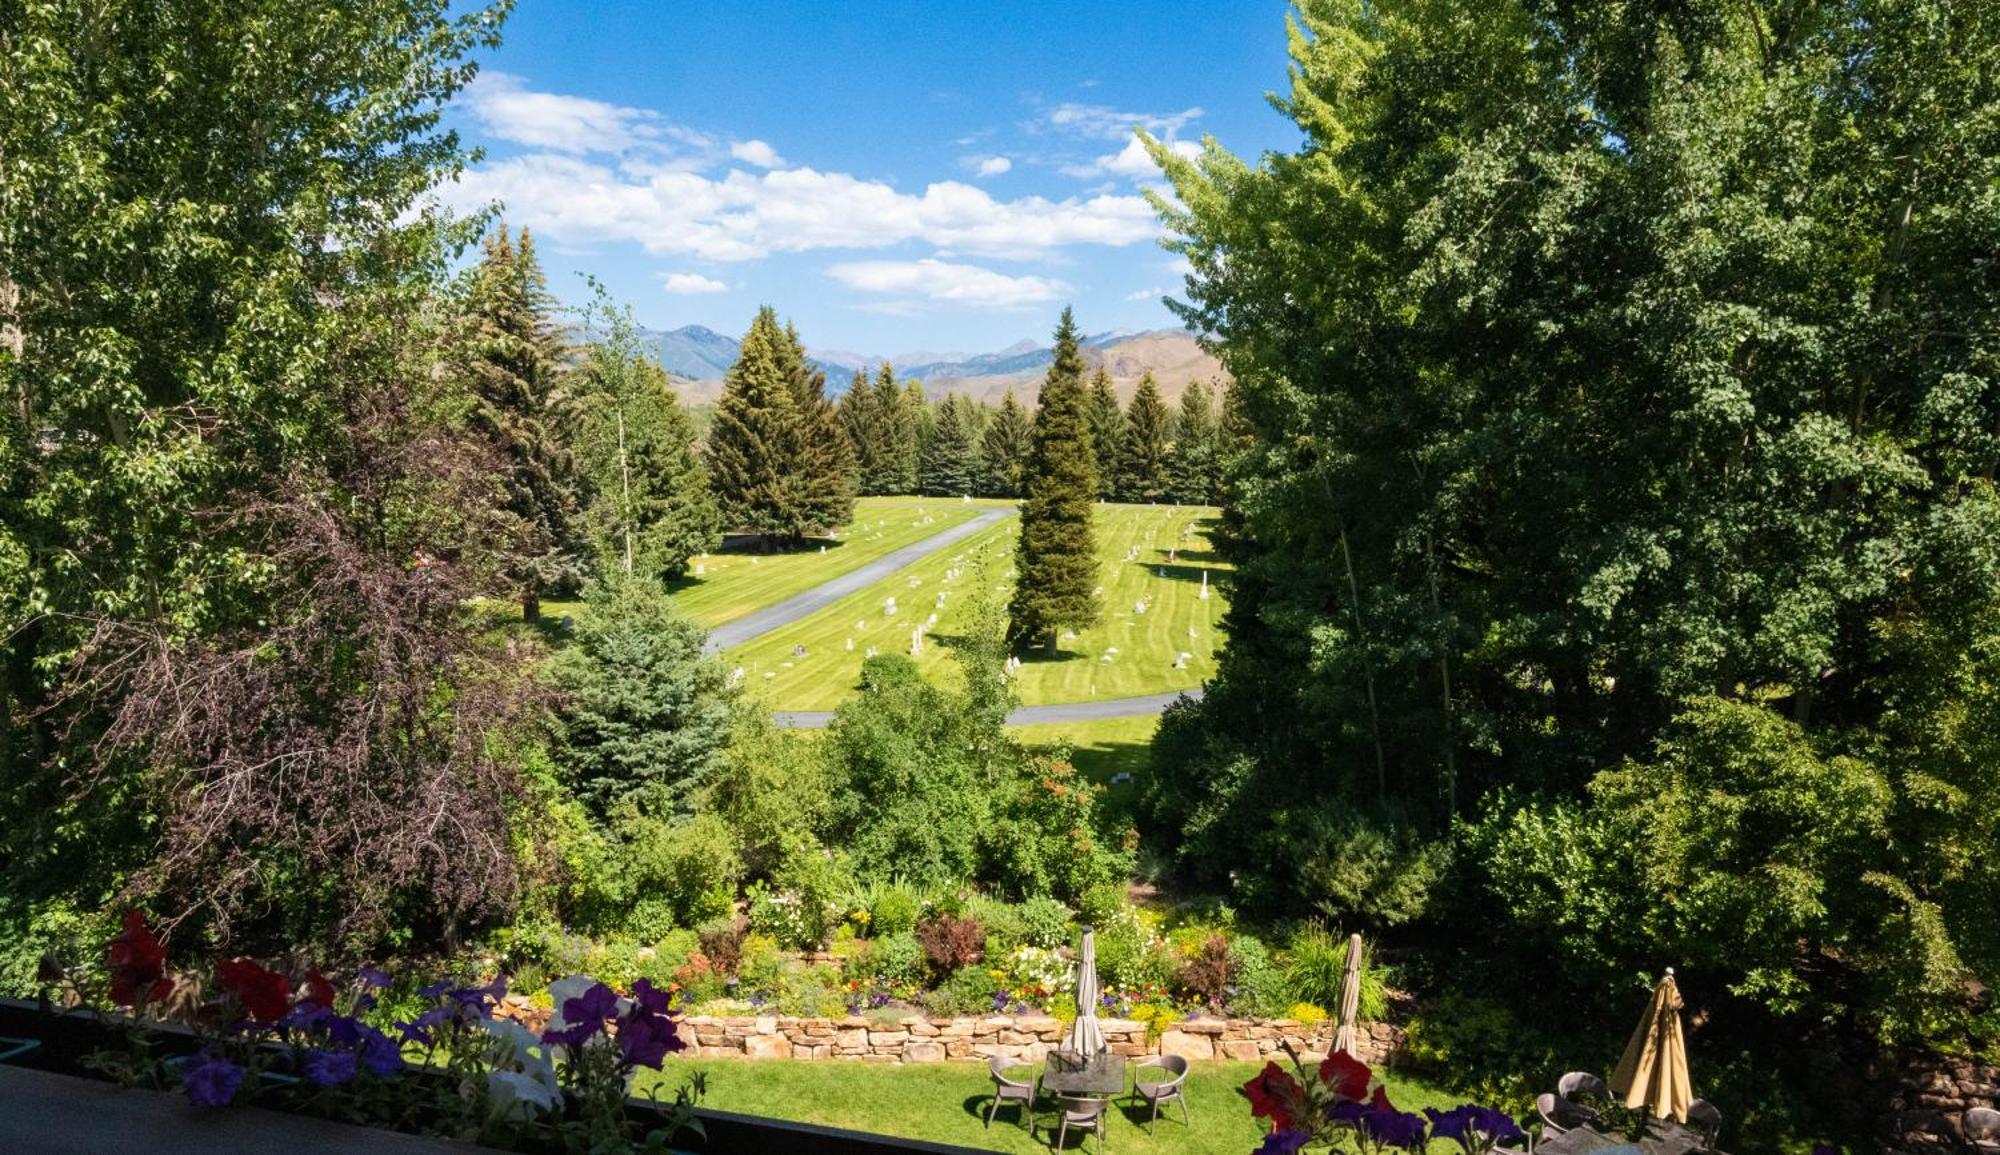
<point>1149,433</point>
<point>913,432</point>
<point>950,465</point>
<point>1004,450</point>
<point>650,507</point>
<point>646,715</point>
<point>1055,561</point>
<point>1107,433</point>
<point>514,356</point>
<point>749,446</point>
<point>1193,468</point>
<point>822,465</point>
<point>868,416</point>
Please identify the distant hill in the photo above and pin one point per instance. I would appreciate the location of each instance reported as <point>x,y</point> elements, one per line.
<point>697,357</point>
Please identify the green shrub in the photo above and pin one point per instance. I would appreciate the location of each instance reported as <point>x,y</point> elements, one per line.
<point>897,959</point>
<point>1261,989</point>
<point>649,920</point>
<point>1129,954</point>
<point>968,991</point>
<point>762,967</point>
<point>894,909</point>
<point>1101,903</point>
<point>1315,965</point>
<point>674,947</point>
<point>1044,922</point>
<point>813,993</point>
<point>690,866</point>
<point>1005,928</point>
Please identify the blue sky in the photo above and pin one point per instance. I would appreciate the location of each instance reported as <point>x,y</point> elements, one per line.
<point>893,176</point>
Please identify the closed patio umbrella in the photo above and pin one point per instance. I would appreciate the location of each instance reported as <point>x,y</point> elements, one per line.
<point>1350,997</point>
<point>1654,1071</point>
<point>1086,1038</point>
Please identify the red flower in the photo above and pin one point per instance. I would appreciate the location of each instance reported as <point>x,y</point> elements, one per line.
<point>1274,1093</point>
<point>264,994</point>
<point>137,963</point>
<point>1346,1075</point>
<point>1379,1101</point>
<point>318,991</point>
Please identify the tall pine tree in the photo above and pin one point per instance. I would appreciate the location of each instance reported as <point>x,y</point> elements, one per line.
<point>1003,450</point>
<point>514,356</point>
<point>869,417</point>
<point>822,465</point>
<point>1149,434</point>
<point>913,432</point>
<point>1055,561</point>
<point>1107,433</point>
<point>749,448</point>
<point>1194,466</point>
<point>950,465</point>
<point>650,507</point>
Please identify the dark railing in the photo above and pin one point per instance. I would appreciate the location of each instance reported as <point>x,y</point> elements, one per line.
<point>66,1038</point>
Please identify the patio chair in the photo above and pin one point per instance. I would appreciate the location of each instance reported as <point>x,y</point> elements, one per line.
<point>1083,1112</point>
<point>1982,1129</point>
<point>1705,1118</point>
<point>1010,1090</point>
<point>1158,1091</point>
<point>1554,1122</point>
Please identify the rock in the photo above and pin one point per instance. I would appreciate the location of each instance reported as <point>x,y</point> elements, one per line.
<point>851,1038</point>
<point>773,1046</point>
<point>1187,1045</point>
<point>1242,1050</point>
<point>923,1052</point>
<point>959,1029</point>
<point>922,1029</point>
<point>1203,1026</point>
<point>765,1025</point>
<point>888,1038</point>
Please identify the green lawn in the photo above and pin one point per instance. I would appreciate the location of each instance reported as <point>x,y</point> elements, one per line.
<point>1130,652</point>
<point>946,1103</point>
<point>1101,749</point>
<point>734,583</point>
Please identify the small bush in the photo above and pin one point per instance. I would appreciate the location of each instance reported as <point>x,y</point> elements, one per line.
<point>951,941</point>
<point>1307,1013</point>
<point>722,945</point>
<point>1005,929</point>
<point>968,991</point>
<point>1045,922</point>
<point>896,959</point>
<point>1208,974</point>
<point>1261,989</point>
<point>1129,954</point>
<point>1315,965</point>
<point>813,993</point>
<point>675,947</point>
<point>1102,903</point>
<point>650,919</point>
<point>763,965</point>
<point>894,910</point>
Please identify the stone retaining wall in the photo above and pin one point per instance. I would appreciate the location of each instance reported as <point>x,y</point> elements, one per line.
<point>1933,1093</point>
<point>918,1039</point>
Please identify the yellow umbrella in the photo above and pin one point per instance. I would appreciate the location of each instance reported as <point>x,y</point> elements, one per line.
<point>1654,1071</point>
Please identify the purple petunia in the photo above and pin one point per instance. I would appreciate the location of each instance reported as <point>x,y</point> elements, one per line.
<point>330,1068</point>
<point>1283,1143</point>
<point>646,1040</point>
<point>1394,1128</point>
<point>380,1054</point>
<point>1473,1127</point>
<point>212,1081</point>
<point>650,997</point>
<point>583,1016</point>
<point>370,977</point>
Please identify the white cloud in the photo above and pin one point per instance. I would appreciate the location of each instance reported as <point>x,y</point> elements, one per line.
<point>942,281</point>
<point>1146,295</point>
<point>743,216</point>
<point>1105,123</point>
<point>504,107</point>
<point>1131,161</point>
<point>756,152</point>
<point>989,165</point>
<point>692,283</point>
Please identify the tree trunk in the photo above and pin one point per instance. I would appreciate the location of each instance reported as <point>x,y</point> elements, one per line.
<point>531,607</point>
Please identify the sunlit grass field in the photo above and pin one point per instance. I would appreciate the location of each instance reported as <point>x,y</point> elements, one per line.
<point>1147,554</point>
<point>735,582</point>
<point>946,1103</point>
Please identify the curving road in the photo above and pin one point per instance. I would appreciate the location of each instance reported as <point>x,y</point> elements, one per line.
<point>1140,707</point>
<point>755,625</point>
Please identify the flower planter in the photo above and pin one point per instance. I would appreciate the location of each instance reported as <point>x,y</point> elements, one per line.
<point>50,1102</point>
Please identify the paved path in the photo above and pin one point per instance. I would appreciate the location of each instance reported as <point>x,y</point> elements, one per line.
<point>752,626</point>
<point>1140,707</point>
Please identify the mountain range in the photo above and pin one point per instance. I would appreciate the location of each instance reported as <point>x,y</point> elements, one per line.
<point>697,357</point>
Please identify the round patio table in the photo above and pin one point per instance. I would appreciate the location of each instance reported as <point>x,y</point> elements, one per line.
<point>1074,1075</point>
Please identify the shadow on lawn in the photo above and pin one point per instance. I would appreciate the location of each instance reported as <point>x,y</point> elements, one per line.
<point>1182,571</point>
